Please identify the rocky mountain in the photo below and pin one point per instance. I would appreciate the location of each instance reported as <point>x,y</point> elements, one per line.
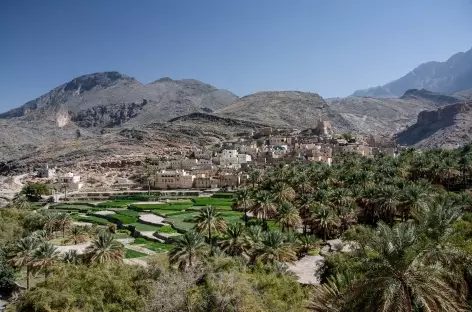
<point>110,99</point>
<point>446,127</point>
<point>451,76</point>
<point>284,109</point>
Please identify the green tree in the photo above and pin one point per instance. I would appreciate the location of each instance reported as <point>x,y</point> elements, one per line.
<point>35,190</point>
<point>44,257</point>
<point>209,221</point>
<point>22,256</point>
<point>288,216</point>
<point>242,201</point>
<point>234,241</point>
<point>397,279</point>
<point>104,250</point>
<point>273,248</point>
<point>188,250</point>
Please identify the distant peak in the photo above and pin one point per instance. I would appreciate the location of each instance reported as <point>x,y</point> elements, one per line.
<point>103,79</point>
<point>164,79</point>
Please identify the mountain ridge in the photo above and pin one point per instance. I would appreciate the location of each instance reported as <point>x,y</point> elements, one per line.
<point>451,76</point>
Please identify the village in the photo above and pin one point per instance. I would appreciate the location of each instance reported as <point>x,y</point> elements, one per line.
<point>223,166</point>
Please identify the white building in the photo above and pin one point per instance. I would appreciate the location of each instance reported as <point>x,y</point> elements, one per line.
<point>173,179</point>
<point>71,181</point>
<point>45,172</point>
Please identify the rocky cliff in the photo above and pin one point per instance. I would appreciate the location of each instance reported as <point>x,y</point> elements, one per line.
<point>448,127</point>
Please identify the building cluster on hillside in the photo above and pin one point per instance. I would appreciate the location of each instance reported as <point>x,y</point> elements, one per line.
<point>226,165</point>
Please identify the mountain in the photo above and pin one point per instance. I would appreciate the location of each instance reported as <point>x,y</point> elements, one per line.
<point>446,127</point>
<point>452,76</point>
<point>108,99</point>
<point>284,109</point>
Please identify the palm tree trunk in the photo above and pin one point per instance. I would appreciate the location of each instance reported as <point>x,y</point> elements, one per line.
<point>149,187</point>
<point>27,278</point>
<point>209,238</point>
<point>325,234</point>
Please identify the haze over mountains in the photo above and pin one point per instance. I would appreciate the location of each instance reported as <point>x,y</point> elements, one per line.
<point>113,113</point>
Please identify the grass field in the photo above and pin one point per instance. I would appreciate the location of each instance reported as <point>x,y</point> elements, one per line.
<point>115,204</point>
<point>131,254</point>
<point>144,227</point>
<point>154,246</point>
<point>128,212</point>
<point>92,219</point>
<point>205,201</point>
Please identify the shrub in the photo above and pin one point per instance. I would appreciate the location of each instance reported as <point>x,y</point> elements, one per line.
<point>166,229</point>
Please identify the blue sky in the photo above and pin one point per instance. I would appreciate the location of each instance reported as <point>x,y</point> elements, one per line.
<point>331,47</point>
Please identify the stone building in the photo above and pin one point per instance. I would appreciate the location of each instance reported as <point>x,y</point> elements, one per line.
<point>173,179</point>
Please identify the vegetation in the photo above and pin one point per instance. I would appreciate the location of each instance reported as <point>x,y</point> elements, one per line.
<point>405,222</point>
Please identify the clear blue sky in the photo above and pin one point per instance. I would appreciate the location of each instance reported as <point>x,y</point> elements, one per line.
<point>331,47</point>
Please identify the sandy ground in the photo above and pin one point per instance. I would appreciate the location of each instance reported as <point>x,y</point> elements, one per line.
<point>152,218</point>
<point>82,223</point>
<point>105,212</point>
<point>306,268</point>
<point>80,248</point>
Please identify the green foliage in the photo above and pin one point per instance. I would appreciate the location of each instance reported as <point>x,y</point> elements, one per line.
<point>154,246</point>
<point>120,219</point>
<point>89,289</point>
<point>166,229</point>
<point>129,213</point>
<point>209,201</point>
<point>131,254</point>
<point>35,190</point>
<point>115,204</point>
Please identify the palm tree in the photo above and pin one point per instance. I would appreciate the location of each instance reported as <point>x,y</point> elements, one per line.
<point>263,207</point>
<point>77,234</point>
<point>388,201</point>
<point>44,257</point>
<point>288,216</point>
<point>414,200</point>
<point>242,199</point>
<point>283,192</point>
<point>330,296</point>
<point>234,241</point>
<point>22,256</point>
<point>20,201</point>
<point>40,235</point>
<point>254,236</point>
<point>306,243</point>
<point>63,221</point>
<point>104,249</point>
<point>72,257</point>
<point>209,220</point>
<point>148,174</point>
<point>255,177</point>
<point>274,249</point>
<point>188,250</point>
<point>398,280</point>
<point>324,219</point>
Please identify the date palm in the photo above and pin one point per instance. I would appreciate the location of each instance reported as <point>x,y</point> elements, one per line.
<point>398,280</point>
<point>22,256</point>
<point>72,257</point>
<point>283,192</point>
<point>63,221</point>
<point>263,206</point>
<point>273,248</point>
<point>44,257</point>
<point>288,216</point>
<point>77,234</point>
<point>242,201</point>
<point>104,249</point>
<point>188,250</point>
<point>387,202</point>
<point>414,200</point>
<point>20,201</point>
<point>324,218</point>
<point>209,220</point>
<point>234,241</point>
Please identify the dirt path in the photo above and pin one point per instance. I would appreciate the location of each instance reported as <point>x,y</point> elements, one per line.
<point>306,269</point>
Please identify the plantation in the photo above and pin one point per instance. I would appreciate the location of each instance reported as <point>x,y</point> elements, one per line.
<point>131,254</point>
<point>115,204</point>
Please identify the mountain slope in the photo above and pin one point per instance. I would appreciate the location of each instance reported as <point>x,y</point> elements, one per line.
<point>110,98</point>
<point>447,127</point>
<point>387,115</point>
<point>451,76</point>
<point>284,109</point>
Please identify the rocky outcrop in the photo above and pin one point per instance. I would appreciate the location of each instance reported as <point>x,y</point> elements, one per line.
<point>450,126</point>
<point>108,116</point>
